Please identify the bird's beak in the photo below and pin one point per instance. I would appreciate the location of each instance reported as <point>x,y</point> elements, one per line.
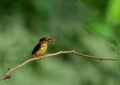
<point>50,39</point>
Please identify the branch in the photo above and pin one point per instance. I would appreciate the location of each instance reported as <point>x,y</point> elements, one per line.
<point>6,75</point>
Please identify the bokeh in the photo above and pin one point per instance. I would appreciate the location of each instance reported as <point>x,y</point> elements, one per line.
<point>88,26</point>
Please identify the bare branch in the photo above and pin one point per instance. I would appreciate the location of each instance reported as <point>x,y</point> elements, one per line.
<point>6,75</point>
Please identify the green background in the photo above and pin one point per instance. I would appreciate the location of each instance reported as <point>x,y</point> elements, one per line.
<point>87,26</point>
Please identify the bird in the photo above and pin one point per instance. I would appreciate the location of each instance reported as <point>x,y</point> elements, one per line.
<point>41,47</point>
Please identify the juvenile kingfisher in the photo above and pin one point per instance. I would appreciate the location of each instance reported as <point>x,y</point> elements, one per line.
<point>41,47</point>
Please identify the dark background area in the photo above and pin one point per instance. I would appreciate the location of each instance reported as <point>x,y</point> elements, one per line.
<point>87,26</point>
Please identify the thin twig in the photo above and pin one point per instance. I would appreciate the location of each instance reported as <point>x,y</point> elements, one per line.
<point>6,75</point>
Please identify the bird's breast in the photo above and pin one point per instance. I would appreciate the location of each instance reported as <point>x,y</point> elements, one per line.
<point>42,49</point>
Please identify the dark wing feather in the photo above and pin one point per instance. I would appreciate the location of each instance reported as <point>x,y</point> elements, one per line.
<point>36,48</point>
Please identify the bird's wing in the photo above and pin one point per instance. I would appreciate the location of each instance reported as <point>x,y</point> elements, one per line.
<point>36,48</point>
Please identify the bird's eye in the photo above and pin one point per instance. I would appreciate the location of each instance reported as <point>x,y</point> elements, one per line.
<point>46,38</point>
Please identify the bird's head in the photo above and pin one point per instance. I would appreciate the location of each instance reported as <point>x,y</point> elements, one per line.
<point>45,39</point>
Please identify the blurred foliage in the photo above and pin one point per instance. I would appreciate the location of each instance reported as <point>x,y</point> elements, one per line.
<point>88,26</point>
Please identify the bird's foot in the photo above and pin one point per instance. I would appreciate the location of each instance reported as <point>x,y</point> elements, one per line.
<point>41,56</point>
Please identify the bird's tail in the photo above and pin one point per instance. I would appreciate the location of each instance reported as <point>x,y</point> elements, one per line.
<point>33,56</point>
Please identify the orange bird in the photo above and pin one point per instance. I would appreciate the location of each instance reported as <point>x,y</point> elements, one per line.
<point>41,47</point>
